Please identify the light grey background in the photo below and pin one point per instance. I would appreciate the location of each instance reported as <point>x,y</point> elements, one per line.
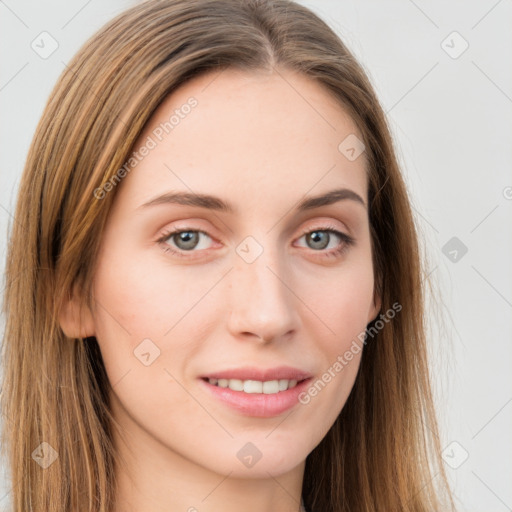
<point>450,112</point>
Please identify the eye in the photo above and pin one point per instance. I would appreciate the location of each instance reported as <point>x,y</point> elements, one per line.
<point>185,240</point>
<point>319,239</point>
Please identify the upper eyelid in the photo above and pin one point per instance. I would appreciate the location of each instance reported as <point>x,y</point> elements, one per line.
<point>314,224</point>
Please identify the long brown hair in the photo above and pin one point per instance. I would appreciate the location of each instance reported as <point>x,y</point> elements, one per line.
<point>383,451</point>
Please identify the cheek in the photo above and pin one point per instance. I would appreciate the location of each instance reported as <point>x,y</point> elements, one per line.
<point>338,330</point>
<point>344,300</point>
<point>139,299</point>
<point>142,308</point>
<point>145,327</point>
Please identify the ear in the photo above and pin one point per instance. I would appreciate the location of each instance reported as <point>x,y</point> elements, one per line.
<point>375,307</point>
<point>76,319</point>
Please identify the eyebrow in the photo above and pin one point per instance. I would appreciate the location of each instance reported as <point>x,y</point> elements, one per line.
<point>216,203</point>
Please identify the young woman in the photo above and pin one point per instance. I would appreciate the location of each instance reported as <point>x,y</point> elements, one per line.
<point>214,290</point>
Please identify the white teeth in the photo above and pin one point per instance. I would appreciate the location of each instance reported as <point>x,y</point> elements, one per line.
<point>283,385</point>
<point>253,386</point>
<point>268,387</point>
<point>236,385</point>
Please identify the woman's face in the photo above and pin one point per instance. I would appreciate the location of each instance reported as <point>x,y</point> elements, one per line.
<point>257,288</point>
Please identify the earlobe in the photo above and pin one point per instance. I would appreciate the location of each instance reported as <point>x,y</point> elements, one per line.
<point>75,319</point>
<point>375,309</point>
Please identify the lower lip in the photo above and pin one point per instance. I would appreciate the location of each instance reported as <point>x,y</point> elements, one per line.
<point>259,405</point>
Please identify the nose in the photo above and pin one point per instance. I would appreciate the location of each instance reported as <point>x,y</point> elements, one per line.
<point>263,303</point>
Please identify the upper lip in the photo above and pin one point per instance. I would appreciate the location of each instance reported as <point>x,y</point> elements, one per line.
<point>261,374</point>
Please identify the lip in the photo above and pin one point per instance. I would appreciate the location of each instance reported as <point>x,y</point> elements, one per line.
<point>253,373</point>
<point>259,405</point>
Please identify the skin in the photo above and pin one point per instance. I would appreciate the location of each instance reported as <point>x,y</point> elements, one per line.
<point>261,141</point>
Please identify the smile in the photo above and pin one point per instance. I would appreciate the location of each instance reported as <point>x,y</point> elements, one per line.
<point>268,387</point>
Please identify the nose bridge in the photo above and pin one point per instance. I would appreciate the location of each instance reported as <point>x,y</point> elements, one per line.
<point>261,301</point>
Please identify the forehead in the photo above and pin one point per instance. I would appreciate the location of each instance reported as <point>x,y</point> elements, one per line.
<point>253,136</point>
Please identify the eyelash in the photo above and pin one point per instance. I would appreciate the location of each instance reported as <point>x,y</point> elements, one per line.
<point>346,241</point>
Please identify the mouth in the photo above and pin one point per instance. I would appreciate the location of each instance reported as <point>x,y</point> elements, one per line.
<point>255,392</point>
